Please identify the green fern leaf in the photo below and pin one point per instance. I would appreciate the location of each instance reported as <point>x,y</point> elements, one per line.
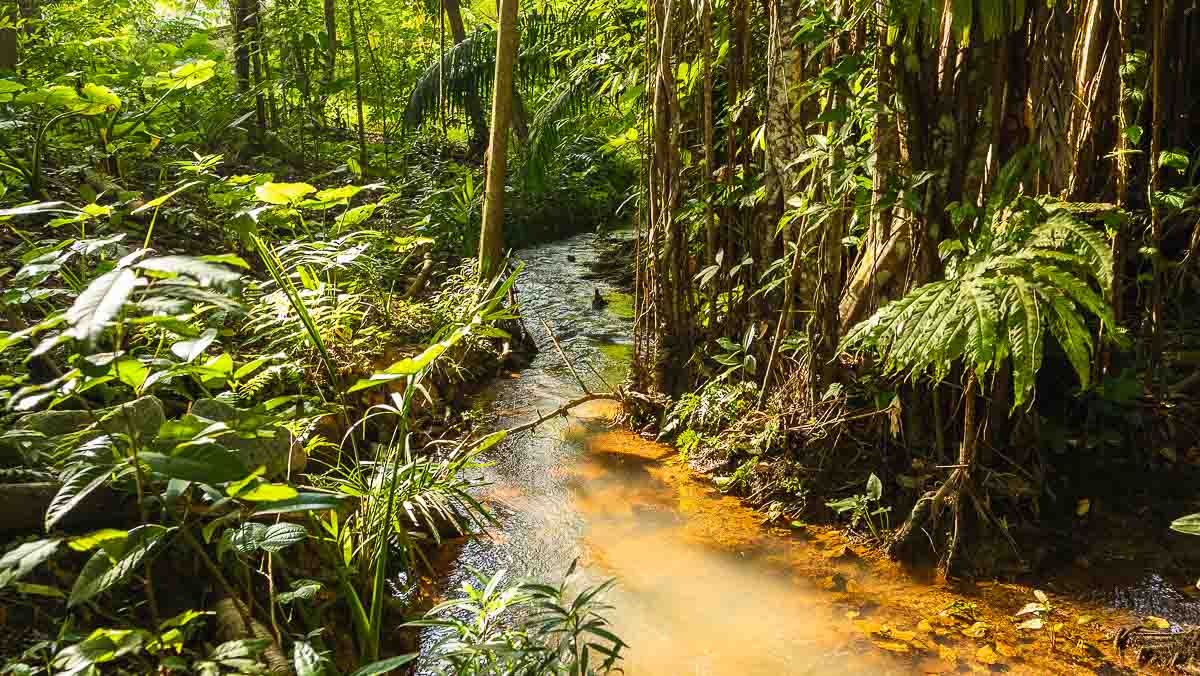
<point>1024,337</point>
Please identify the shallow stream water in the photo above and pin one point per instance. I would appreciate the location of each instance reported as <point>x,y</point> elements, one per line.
<point>702,586</point>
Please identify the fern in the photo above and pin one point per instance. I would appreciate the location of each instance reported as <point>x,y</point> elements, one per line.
<point>1026,274</point>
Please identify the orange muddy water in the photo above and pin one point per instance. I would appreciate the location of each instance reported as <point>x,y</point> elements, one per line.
<point>703,587</point>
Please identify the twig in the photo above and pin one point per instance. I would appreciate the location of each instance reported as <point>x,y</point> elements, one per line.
<point>566,361</point>
<point>562,410</point>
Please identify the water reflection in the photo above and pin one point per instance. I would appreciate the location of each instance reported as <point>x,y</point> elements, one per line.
<point>701,589</point>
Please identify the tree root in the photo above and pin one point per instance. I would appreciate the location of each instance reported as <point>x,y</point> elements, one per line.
<point>1179,652</point>
<point>231,617</point>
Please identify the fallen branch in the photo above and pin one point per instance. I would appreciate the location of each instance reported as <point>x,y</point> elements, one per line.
<point>562,410</point>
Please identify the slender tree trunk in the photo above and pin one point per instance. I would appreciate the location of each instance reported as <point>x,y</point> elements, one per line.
<point>491,237</point>
<point>358,95</point>
<point>8,36</point>
<point>479,129</point>
<point>254,33</point>
<point>710,222</point>
<point>331,34</point>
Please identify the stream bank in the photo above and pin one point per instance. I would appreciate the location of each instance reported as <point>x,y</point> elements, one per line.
<point>705,584</point>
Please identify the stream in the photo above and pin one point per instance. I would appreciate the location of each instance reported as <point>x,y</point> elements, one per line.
<point>702,586</point>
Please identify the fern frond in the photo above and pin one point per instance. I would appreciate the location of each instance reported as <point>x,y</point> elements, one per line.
<point>980,349</point>
<point>1062,229</point>
<point>1074,337</point>
<point>1024,323</point>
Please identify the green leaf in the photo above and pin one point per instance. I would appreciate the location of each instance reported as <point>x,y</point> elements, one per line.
<point>351,218</point>
<point>304,502</point>
<point>94,99</point>
<point>268,492</point>
<point>283,193</point>
<point>306,659</point>
<point>874,488</point>
<point>205,463</point>
<point>19,562</point>
<point>79,484</point>
<point>162,199</point>
<point>132,372</point>
<point>1189,524</point>
<point>207,274</point>
<point>110,566</point>
<point>1174,159</point>
<point>86,543</point>
<point>190,350</point>
<point>301,589</point>
<point>100,303</point>
<point>279,536</point>
<point>385,666</point>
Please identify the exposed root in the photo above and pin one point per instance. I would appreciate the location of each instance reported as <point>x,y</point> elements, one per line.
<point>1179,652</point>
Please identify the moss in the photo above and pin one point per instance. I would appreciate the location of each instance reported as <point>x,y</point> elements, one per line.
<point>620,304</point>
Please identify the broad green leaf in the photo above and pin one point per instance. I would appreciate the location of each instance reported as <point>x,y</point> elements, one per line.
<point>207,274</point>
<point>199,462</point>
<point>86,543</point>
<point>190,350</point>
<point>283,193</point>
<point>279,536</point>
<point>131,371</point>
<point>874,488</point>
<point>79,484</point>
<point>268,492</point>
<point>94,99</point>
<point>246,538</point>
<point>1174,159</point>
<point>306,660</point>
<point>1189,524</point>
<point>112,565</point>
<point>301,589</point>
<point>352,218</point>
<point>100,303</point>
<point>19,562</point>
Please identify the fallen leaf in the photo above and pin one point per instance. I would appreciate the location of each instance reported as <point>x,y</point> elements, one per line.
<point>903,635</point>
<point>1083,507</point>
<point>893,646</point>
<point>1152,622</point>
<point>1084,619</point>
<point>869,627</point>
<point>1033,624</point>
<point>925,626</point>
<point>987,655</point>
<point>1040,595</point>
<point>1032,608</point>
<point>851,614</point>
<point>977,630</point>
<point>1007,650</point>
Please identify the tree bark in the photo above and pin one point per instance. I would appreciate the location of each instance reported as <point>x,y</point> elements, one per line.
<point>491,237</point>
<point>8,36</point>
<point>331,34</point>
<point>358,94</point>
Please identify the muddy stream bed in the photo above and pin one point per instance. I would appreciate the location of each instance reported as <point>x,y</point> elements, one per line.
<point>703,587</point>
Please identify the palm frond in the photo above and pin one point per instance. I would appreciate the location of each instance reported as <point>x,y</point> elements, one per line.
<point>469,68</point>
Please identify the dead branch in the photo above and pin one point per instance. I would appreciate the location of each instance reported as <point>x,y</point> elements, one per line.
<point>562,410</point>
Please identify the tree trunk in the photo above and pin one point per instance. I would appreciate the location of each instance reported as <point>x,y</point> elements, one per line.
<point>331,34</point>
<point>479,129</point>
<point>8,36</point>
<point>491,237</point>
<point>358,95</point>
